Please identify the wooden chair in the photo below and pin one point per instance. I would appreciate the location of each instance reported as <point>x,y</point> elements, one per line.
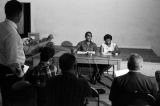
<point>94,94</point>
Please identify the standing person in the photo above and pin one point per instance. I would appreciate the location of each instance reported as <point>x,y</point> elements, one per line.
<point>132,81</point>
<point>12,56</point>
<point>67,89</point>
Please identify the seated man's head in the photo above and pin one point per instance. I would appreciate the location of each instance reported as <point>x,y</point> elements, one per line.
<point>135,62</point>
<point>67,62</point>
<point>107,39</point>
<point>50,45</point>
<point>88,36</point>
<point>13,10</point>
<point>46,54</point>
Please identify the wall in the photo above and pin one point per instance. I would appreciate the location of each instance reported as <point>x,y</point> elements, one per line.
<point>132,23</point>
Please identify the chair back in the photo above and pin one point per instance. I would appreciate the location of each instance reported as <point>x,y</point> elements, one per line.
<point>135,98</point>
<point>157,75</point>
<point>94,94</point>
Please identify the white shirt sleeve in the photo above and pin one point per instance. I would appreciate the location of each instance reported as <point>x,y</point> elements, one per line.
<point>11,49</point>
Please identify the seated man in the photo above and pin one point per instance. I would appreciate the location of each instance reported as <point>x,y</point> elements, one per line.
<point>87,47</point>
<point>67,89</point>
<point>107,48</point>
<point>39,74</point>
<point>132,81</point>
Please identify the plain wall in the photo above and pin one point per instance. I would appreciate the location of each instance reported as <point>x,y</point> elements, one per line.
<point>132,23</point>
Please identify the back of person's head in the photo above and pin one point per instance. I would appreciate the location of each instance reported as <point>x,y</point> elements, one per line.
<point>135,62</point>
<point>86,34</point>
<point>13,8</point>
<point>50,45</point>
<point>67,62</point>
<point>46,53</point>
<point>107,36</point>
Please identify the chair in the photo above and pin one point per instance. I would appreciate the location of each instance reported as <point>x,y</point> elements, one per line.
<point>157,75</point>
<point>109,66</point>
<point>134,98</point>
<point>94,94</point>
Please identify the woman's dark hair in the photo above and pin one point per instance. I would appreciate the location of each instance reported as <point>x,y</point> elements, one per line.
<point>46,53</point>
<point>13,8</point>
<point>107,36</point>
<point>66,62</point>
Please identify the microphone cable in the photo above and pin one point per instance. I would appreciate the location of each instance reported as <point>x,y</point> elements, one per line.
<point>97,69</point>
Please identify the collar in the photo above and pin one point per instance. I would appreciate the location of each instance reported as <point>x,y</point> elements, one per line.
<point>134,71</point>
<point>11,23</point>
<point>44,63</point>
<point>87,41</point>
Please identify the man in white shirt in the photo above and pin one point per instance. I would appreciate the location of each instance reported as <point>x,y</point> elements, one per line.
<point>11,44</point>
<point>12,56</point>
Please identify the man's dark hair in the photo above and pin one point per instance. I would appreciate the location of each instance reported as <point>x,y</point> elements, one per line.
<point>107,36</point>
<point>67,62</point>
<point>50,45</point>
<point>86,34</point>
<point>134,62</point>
<point>13,8</point>
<point>46,53</point>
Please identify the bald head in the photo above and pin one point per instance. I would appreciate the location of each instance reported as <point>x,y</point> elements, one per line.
<point>135,62</point>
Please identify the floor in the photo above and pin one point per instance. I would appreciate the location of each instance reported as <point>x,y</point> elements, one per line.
<point>151,64</point>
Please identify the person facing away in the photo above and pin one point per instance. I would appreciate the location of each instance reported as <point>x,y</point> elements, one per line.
<point>11,44</point>
<point>12,56</point>
<point>134,80</point>
<point>66,89</point>
<point>86,45</point>
<point>39,74</point>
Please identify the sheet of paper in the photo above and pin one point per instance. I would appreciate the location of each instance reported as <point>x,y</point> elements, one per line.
<point>25,68</point>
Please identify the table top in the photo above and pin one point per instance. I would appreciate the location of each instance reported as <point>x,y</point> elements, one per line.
<point>96,56</point>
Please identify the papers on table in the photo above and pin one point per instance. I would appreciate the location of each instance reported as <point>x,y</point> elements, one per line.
<point>85,52</point>
<point>25,68</point>
<point>121,72</point>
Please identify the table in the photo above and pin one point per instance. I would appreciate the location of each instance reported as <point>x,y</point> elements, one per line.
<point>94,59</point>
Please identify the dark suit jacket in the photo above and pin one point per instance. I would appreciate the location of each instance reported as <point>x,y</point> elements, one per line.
<point>130,82</point>
<point>67,90</point>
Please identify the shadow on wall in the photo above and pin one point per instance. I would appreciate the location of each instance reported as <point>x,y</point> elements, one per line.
<point>155,44</point>
<point>67,44</point>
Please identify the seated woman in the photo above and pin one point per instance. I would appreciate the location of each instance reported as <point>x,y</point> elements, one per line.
<point>107,48</point>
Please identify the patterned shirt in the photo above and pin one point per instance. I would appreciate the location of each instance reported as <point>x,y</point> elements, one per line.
<point>83,46</point>
<point>39,74</point>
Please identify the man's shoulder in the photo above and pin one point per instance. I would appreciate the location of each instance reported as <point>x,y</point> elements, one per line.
<point>93,43</point>
<point>81,42</point>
